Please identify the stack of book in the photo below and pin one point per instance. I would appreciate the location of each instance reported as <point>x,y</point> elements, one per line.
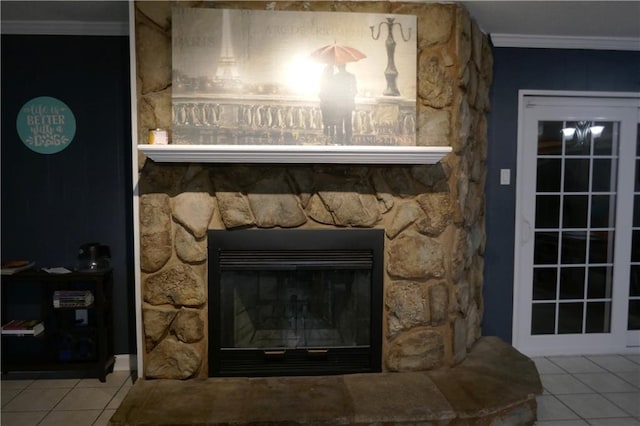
<point>23,327</point>
<point>72,298</point>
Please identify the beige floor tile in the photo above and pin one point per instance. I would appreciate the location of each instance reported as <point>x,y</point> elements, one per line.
<point>605,382</point>
<point>614,363</point>
<point>545,366</point>
<point>629,402</point>
<point>562,423</point>
<point>8,395</point>
<point>633,357</point>
<point>119,397</point>
<point>53,383</point>
<point>23,418</point>
<point>626,421</point>
<point>559,384</point>
<point>103,419</point>
<point>68,418</point>
<point>576,364</point>
<point>592,406</point>
<point>36,400</point>
<point>115,379</point>
<point>15,384</point>
<point>550,408</point>
<point>128,382</point>
<point>632,377</point>
<point>86,399</point>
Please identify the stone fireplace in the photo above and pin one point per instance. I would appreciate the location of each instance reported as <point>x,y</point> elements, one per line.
<point>432,216</point>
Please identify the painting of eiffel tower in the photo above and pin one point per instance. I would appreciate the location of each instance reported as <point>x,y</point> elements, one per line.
<point>253,77</point>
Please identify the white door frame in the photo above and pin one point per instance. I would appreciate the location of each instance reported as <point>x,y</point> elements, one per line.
<point>558,98</point>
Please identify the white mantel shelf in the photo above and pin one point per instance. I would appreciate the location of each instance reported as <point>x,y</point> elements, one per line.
<point>288,154</point>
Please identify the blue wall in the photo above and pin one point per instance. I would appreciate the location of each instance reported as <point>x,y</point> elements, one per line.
<point>539,69</point>
<point>51,204</point>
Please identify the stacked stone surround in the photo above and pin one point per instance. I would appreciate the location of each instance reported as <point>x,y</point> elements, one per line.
<point>433,215</point>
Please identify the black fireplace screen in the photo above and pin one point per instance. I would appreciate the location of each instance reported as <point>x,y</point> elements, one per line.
<point>285,302</point>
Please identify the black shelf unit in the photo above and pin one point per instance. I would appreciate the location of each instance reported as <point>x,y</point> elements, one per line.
<point>74,339</point>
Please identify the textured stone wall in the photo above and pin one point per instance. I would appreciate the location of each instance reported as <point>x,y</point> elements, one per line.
<point>433,215</point>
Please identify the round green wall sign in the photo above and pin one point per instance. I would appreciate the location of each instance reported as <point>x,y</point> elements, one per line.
<point>46,125</point>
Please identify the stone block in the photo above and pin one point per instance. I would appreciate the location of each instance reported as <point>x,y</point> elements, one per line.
<point>188,249</point>
<point>415,256</point>
<point>188,326</point>
<point>177,285</point>
<point>193,210</point>
<point>419,349</point>
<point>172,359</point>
<point>397,398</point>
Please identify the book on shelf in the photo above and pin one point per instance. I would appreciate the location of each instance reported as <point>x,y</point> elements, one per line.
<point>23,327</point>
<point>12,266</point>
<point>72,298</point>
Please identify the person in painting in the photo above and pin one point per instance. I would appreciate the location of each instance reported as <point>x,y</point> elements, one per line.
<point>344,87</point>
<point>327,103</point>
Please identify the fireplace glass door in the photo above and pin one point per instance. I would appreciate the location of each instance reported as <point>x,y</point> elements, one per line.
<point>290,302</point>
<point>289,309</point>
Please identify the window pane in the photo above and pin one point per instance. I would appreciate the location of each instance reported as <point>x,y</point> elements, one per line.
<point>602,179</point>
<point>637,186</point>
<point>600,280</point>
<point>603,143</point>
<point>575,211</point>
<point>544,284</point>
<point>634,281</point>
<point>543,318</point>
<point>635,246</point>
<point>579,143</point>
<point>576,175</point>
<point>601,247</point>
<point>545,249</point>
<point>634,315</point>
<point>602,211</point>
<point>548,175</point>
<point>547,211</point>
<point>570,318</point>
<point>550,137</point>
<point>574,247</point>
<point>572,283</point>
<point>636,211</point>
<point>598,317</point>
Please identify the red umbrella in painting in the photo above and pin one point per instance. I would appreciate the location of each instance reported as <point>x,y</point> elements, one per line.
<point>337,54</point>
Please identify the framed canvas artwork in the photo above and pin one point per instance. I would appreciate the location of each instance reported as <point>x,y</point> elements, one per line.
<point>254,77</point>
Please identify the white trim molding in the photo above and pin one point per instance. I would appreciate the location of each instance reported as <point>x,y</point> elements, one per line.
<point>123,362</point>
<point>107,28</point>
<point>275,154</point>
<point>565,42</point>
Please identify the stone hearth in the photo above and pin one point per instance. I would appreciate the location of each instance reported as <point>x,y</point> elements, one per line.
<point>495,385</point>
<point>432,215</point>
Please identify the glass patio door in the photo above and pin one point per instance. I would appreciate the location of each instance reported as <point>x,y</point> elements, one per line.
<point>577,280</point>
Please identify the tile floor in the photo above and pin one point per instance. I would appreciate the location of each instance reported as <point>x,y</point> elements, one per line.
<point>38,400</point>
<point>601,390</point>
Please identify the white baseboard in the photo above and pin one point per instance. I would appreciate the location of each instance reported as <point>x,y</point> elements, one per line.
<point>123,362</point>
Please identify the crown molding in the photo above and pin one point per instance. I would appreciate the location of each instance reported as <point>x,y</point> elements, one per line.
<point>94,28</point>
<point>565,42</point>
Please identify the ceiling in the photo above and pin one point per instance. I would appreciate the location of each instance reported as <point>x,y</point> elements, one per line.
<point>560,24</point>
<point>581,24</point>
<point>569,18</point>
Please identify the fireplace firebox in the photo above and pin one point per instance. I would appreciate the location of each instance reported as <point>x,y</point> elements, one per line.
<point>295,302</point>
